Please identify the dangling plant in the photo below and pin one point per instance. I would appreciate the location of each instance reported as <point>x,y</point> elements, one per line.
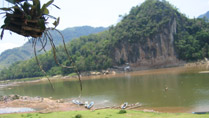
<point>28,18</point>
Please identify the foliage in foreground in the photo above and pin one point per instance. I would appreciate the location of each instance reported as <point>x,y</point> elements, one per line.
<point>107,113</point>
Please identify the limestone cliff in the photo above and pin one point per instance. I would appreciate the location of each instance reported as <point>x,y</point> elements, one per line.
<point>146,37</point>
<point>158,50</point>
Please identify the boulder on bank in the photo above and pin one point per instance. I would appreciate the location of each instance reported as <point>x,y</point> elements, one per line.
<point>9,97</point>
<point>12,97</point>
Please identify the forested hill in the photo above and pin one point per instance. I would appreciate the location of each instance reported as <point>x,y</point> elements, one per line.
<point>154,34</point>
<point>204,15</point>
<point>26,51</point>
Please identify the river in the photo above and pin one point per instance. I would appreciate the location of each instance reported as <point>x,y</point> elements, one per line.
<point>175,89</point>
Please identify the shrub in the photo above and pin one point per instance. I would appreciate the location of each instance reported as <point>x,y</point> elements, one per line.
<point>78,116</point>
<point>122,111</point>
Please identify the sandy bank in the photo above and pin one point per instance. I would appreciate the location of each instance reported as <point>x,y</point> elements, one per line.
<point>43,105</point>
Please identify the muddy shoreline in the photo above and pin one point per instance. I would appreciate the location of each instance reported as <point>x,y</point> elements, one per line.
<point>46,105</point>
<point>41,105</point>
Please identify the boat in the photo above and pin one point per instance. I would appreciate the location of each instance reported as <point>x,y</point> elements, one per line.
<point>204,72</point>
<point>89,106</point>
<point>124,105</point>
<point>204,112</point>
<point>86,104</point>
<point>77,102</point>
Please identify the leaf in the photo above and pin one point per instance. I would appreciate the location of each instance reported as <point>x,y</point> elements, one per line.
<point>2,32</point>
<point>44,7</point>
<point>51,16</point>
<point>56,23</point>
<point>48,3</point>
<point>11,1</point>
<point>46,11</point>
<point>56,6</point>
<point>36,7</point>
<point>41,23</point>
<point>6,9</point>
<point>26,7</point>
<point>36,2</point>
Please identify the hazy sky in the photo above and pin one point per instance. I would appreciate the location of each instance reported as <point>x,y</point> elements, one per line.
<point>97,13</point>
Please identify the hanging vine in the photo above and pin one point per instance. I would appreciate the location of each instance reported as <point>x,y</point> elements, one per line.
<point>28,18</point>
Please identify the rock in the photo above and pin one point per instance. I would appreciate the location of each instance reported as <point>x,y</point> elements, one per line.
<point>23,97</point>
<point>14,97</point>
<point>60,101</point>
<point>1,98</point>
<point>105,72</point>
<point>9,98</point>
<point>95,73</point>
<point>113,72</point>
<point>37,98</point>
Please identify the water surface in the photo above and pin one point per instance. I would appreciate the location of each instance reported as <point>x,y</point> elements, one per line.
<point>15,110</point>
<point>160,89</point>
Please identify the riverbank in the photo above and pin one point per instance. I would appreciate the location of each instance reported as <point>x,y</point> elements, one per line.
<point>39,104</point>
<point>105,113</point>
<point>47,105</point>
<point>48,108</point>
<point>201,65</point>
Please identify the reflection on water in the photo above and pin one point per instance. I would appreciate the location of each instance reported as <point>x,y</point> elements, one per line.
<point>152,90</point>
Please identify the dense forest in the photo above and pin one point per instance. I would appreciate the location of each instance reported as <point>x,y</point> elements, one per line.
<point>94,52</point>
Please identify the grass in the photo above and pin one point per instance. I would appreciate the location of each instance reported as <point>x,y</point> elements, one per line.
<point>106,113</point>
<point>72,74</point>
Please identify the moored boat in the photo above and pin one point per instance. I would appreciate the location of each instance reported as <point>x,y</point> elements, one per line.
<point>124,105</point>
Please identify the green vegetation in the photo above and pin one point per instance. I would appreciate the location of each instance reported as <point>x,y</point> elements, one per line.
<point>122,111</point>
<point>90,56</point>
<point>144,21</point>
<point>107,113</point>
<point>25,52</point>
<point>78,116</point>
<point>192,39</point>
<point>95,52</point>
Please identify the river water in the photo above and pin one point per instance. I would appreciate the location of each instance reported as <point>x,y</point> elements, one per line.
<point>177,89</point>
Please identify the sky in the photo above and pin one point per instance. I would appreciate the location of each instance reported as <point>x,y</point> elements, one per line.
<point>96,13</point>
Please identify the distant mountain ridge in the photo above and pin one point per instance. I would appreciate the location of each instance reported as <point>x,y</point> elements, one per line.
<point>204,15</point>
<point>25,52</point>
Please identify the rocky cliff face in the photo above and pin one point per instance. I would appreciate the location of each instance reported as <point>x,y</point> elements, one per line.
<point>157,51</point>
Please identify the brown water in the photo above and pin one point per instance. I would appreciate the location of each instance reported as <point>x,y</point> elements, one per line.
<point>176,89</point>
